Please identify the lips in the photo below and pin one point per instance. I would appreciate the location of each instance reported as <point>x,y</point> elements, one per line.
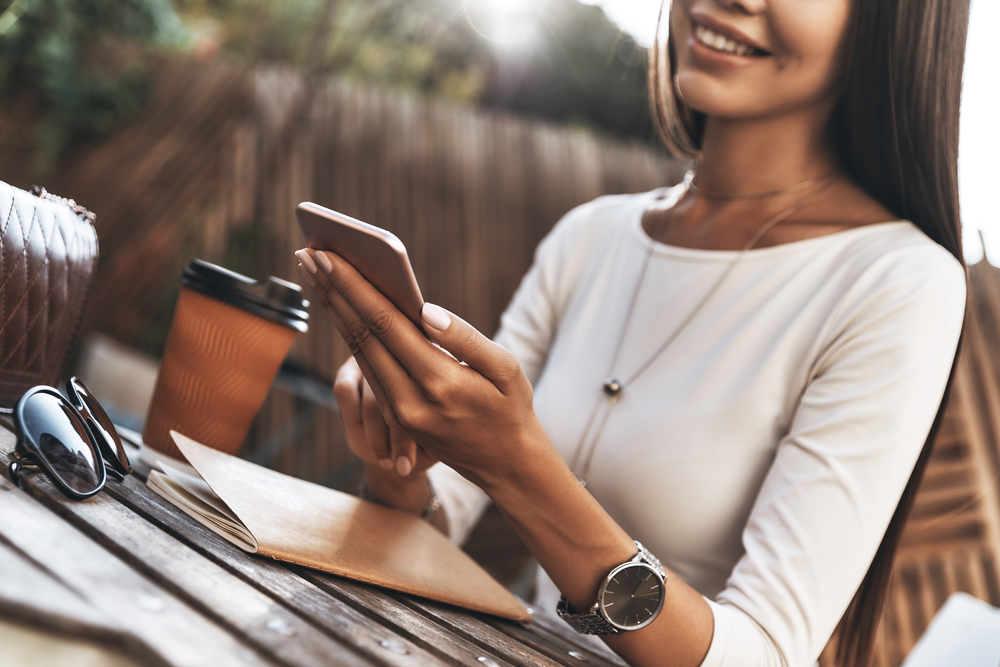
<point>723,44</point>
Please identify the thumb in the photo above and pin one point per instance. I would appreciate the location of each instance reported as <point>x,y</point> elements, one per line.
<point>467,344</point>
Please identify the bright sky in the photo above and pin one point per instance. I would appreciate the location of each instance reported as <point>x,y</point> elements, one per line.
<point>979,149</point>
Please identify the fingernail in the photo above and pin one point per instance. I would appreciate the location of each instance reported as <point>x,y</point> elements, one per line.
<point>435,317</point>
<point>403,466</point>
<point>324,259</point>
<point>306,260</point>
<point>387,464</point>
<point>307,275</point>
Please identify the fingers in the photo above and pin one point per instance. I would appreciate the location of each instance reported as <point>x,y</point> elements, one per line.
<point>463,341</point>
<point>384,372</point>
<point>323,291</point>
<point>404,452</point>
<point>347,389</point>
<point>376,429</point>
<point>367,432</point>
<point>371,317</point>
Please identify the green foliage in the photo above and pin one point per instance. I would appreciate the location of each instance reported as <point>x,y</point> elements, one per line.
<point>408,44</point>
<point>81,62</point>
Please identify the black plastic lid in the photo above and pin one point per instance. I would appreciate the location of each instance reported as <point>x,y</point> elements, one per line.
<point>273,299</point>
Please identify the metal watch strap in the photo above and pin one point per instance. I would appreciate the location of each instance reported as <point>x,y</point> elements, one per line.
<point>650,559</point>
<point>593,622</point>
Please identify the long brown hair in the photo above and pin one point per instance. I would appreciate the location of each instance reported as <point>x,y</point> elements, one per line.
<point>896,128</point>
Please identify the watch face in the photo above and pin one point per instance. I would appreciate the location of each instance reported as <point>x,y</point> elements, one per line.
<point>632,596</point>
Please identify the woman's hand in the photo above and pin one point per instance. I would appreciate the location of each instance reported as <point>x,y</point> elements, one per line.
<point>475,416</point>
<point>368,435</point>
<point>395,465</point>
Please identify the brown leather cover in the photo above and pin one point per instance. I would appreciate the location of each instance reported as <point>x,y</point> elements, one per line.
<point>48,254</point>
<point>217,368</point>
<point>307,524</point>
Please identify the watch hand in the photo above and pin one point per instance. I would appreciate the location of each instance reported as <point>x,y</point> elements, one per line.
<point>639,585</point>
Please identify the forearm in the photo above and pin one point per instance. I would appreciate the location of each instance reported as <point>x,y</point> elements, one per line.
<point>577,543</point>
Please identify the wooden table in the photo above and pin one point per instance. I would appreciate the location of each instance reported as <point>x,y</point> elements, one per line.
<point>130,572</point>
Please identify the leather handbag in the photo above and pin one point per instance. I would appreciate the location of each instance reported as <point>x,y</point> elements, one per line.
<point>48,253</point>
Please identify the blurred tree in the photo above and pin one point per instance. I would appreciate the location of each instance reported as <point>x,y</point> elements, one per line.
<point>79,60</point>
<point>556,58</point>
<point>582,68</point>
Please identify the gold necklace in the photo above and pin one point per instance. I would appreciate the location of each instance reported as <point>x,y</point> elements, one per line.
<point>612,387</point>
<point>734,196</point>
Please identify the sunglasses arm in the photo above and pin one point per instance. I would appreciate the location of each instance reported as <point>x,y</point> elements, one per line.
<point>15,470</point>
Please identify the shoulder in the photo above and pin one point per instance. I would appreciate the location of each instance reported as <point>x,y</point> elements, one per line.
<point>898,254</point>
<point>585,238</point>
<point>598,222</point>
<point>606,213</point>
<point>898,285</point>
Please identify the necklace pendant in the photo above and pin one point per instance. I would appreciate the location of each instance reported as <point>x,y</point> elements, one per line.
<point>612,387</point>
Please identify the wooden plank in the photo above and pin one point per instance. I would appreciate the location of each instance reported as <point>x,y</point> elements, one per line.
<point>381,643</point>
<point>254,617</point>
<point>36,597</point>
<point>551,630</point>
<point>420,629</point>
<point>901,595</point>
<point>530,642</point>
<point>477,631</point>
<point>172,631</point>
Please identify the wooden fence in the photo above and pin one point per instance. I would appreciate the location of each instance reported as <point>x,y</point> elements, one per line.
<point>216,166</point>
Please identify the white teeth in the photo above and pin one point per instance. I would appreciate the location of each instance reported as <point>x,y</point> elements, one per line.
<point>719,42</point>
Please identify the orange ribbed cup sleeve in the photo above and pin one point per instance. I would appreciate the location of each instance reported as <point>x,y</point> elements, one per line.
<point>217,369</point>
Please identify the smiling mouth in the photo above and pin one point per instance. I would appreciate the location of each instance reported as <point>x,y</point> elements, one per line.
<point>723,44</point>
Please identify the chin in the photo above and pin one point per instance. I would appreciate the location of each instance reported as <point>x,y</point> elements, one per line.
<point>750,99</point>
<point>715,98</point>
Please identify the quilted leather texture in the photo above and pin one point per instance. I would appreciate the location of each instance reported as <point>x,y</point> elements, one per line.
<point>48,255</point>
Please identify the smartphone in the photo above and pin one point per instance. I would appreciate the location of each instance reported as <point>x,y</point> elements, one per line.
<point>377,254</point>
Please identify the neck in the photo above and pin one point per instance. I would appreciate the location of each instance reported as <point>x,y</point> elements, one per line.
<point>764,154</point>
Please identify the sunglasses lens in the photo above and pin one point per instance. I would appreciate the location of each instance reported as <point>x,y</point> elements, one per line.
<point>61,440</point>
<point>101,426</point>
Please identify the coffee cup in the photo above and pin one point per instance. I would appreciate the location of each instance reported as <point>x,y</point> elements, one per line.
<point>228,338</point>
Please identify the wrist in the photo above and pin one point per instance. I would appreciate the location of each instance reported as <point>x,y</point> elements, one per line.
<point>516,463</point>
<point>527,462</point>
<point>409,494</point>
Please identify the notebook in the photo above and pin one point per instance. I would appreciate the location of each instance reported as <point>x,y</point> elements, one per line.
<point>271,514</point>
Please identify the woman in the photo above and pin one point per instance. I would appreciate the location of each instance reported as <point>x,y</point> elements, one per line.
<point>743,370</point>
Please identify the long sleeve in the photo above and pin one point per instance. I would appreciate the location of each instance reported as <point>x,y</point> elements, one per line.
<point>838,474</point>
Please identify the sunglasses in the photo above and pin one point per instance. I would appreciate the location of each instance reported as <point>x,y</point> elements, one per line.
<point>72,440</point>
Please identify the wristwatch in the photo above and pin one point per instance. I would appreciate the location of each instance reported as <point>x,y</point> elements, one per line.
<point>630,598</point>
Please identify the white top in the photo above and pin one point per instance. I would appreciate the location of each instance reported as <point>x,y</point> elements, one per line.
<point>762,455</point>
